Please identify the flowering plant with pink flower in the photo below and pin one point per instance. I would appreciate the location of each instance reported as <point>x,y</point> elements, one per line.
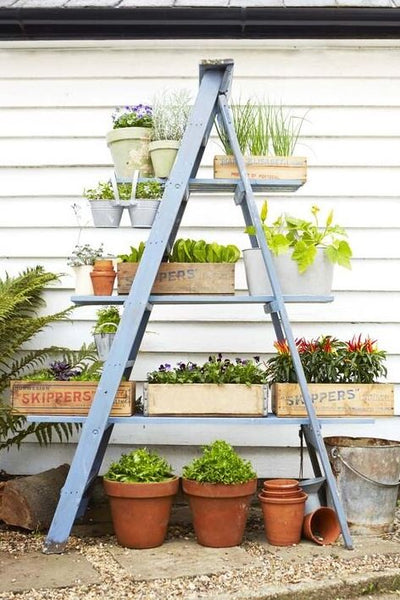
<point>140,115</point>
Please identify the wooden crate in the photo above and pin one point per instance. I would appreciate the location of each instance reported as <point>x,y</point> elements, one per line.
<point>66,397</point>
<point>334,400</point>
<point>205,399</point>
<point>262,167</point>
<point>183,278</point>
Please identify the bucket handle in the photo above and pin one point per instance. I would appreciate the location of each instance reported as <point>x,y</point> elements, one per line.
<point>336,454</point>
<point>104,324</point>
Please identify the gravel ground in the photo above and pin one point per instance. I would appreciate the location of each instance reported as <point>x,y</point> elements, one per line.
<point>115,583</point>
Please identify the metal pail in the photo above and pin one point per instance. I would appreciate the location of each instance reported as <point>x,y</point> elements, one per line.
<point>367,472</point>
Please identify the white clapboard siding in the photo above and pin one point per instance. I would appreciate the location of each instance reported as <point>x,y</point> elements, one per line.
<point>56,101</point>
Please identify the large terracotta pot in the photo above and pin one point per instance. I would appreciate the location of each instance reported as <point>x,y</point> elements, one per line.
<point>283,519</point>
<point>140,511</point>
<point>219,511</point>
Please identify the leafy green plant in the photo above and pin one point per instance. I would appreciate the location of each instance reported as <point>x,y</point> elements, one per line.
<point>215,370</point>
<point>105,191</point>
<point>219,463</point>
<point>170,115</point>
<point>135,254</point>
<point>329,360</point>
<point>139,115</point>
<point>75,365</point>
<point>199,251</point>
<point>303,238</point>
<point>108,319</point>
<point>149,190</point>
<point>21,299</point>
<point>85,255</point>
<point>140,466</point>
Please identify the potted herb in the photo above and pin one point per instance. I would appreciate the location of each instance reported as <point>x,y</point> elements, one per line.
<point>267,136</point>
<point>193,267</point>
<point>219,485</point>
<point>105,207</point>
<point>342,375</point>
<point>143,208</point>
<point>170,116</point>
<point>67,387</point>
<point>129,140</point>
<point>304,253</point>
<point>108,319</point>
<point>220,386</point>
<point>82,260</point>
<point>141,488</point>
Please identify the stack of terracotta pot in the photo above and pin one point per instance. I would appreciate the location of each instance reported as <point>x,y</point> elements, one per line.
<point>283,505</point>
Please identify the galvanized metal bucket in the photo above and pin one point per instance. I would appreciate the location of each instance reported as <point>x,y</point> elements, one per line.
<point>367,472</point>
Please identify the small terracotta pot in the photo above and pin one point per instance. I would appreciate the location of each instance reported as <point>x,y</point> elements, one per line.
<point>103,277</point>
<point>282,493</point>
<point>140,511</point>
<point>283,519</point>
<point>321,526</point>
<point>281,484</point>
<point>219,511</point>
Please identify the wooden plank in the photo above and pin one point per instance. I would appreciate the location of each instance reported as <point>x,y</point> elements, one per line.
<point>334,399</point>
<point>262,167</point>
<point>209,399</point>
<point>183,278</point>
<point>66,397</point>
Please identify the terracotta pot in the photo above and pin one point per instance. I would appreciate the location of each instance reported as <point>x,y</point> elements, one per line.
<point>140,511</point>
<point>283,519</point>
<point>321,526</point>
<point>103,277</point>
<point>282,493</point>
<point>281,484</point>
<point>219,511</point>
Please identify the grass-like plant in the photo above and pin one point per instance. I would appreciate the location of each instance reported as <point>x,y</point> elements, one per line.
<point>284,131</point>
<point>219,463</point>
<point>215,370</point>
<point>21,299</point>
<point>140,466</point>
<point>170,115</point>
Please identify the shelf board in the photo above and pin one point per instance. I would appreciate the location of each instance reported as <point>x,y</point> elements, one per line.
<point>200,299</point>
<point>142,421</point>
<point>215,186</point>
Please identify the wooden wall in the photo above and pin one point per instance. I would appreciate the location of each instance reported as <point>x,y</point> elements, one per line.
<point>56,101</point>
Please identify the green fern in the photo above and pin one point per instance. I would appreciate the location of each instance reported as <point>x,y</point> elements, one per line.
<point>21,298</point>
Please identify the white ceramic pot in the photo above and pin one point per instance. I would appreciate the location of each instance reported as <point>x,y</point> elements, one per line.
<point>129,147</point>
<point>83,281</point>
<point>316,281</point>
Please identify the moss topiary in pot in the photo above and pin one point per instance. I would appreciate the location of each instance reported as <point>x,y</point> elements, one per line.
<point>219,485</point>
<point>141,488</point>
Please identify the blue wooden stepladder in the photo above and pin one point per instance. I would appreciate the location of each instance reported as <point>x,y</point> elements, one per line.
<point>211,103</point>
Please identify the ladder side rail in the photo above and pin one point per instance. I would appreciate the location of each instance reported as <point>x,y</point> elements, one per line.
<point>248,198</point>
<point>136,314</point>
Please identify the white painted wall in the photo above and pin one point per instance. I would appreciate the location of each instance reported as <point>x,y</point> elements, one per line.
<point>56,101</point>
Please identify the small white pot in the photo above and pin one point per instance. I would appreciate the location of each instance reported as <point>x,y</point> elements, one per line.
<point>83,281</point>
<point>163,154</point>
<point>143,212</point>
<point>316,281</point>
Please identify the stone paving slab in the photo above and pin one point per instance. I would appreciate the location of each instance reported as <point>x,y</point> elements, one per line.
<point>181,559</point>
<point>37,570</point>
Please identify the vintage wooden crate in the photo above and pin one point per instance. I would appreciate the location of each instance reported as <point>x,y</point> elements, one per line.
<point>66,397</point>
<point>334,400</point>
<point>205,399</point>
<point>183,278</point>
<point>262,167</point>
